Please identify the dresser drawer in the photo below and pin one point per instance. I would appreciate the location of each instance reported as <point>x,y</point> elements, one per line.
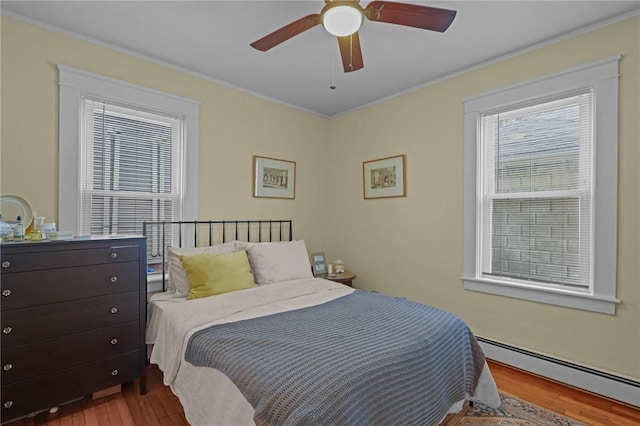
<point>37,260</point>
<point>32,288</point>
<point>26,325</point>
<point>23,362</point>
<point>51,390</point>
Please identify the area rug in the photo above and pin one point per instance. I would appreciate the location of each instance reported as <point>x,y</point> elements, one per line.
<point>512,412</point>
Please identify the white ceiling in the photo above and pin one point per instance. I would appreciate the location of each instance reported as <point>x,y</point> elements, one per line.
<point>211,39</point>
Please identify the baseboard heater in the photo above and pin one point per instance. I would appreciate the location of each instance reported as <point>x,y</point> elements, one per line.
<point>605,384</point>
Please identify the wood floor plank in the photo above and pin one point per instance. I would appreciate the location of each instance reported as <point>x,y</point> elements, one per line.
<point>131,397</point>
<point>93,414</point>
<point>123,411</point>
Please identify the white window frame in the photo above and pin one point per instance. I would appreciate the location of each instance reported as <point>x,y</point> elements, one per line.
<point>74,85</point>
<point>601,78</point>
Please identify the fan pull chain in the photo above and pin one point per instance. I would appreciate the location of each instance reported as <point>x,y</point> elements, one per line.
<point>333,73</point>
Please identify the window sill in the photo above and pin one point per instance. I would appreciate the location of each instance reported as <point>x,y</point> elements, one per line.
<point>559,297</point>
<point>154,282</point>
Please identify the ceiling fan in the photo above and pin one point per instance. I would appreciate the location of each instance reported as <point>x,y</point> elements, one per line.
<point>343,18</point>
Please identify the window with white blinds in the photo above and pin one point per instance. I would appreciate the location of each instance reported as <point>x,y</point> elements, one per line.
<point>130,168</point>
<point>540,189</point>
<point>536,199</point>
<point>128,154</point>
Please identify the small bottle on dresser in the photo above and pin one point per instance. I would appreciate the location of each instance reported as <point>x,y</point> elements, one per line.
<point>18,230</point>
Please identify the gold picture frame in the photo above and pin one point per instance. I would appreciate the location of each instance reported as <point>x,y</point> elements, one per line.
<point>384,177</point>
<point>274,178</point>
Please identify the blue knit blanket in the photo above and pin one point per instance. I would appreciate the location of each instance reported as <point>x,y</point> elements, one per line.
<point>362,359</point>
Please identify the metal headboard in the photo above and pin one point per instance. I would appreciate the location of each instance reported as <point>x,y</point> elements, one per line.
<point>202,233</point>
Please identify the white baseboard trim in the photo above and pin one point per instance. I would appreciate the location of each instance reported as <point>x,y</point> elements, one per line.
<point>605,384</point>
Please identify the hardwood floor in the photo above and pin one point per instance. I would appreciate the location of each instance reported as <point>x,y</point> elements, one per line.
<point>160,407</point>
<point>577,404</point>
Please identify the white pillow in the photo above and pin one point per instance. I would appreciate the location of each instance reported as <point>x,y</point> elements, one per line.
<point>178,280</point>
<point>279,261</point>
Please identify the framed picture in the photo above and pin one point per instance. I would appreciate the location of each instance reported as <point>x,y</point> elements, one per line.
<point>318,264</point>
<point>384,177</point>
<point>274,178</point>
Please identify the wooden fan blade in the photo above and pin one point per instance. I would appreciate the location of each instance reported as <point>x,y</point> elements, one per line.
<point>410,15</point>
<point>288,31</point>
<point>350,52</point>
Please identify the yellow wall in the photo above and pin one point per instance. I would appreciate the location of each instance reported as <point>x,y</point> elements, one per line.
<point>413,247</point>
<point>405,246</point>
<point>234,126</point>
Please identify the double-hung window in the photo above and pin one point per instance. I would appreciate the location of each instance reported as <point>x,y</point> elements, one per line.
<point>128,154</point>
<point>130,168</point>
<point>539,221</point>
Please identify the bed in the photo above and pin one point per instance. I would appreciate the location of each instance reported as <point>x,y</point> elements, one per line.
<point>286,348</point>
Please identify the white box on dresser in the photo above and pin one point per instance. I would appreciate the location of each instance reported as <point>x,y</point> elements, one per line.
<point>73,318</point>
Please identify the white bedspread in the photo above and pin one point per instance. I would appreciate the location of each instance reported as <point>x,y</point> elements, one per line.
<point>208,396</point>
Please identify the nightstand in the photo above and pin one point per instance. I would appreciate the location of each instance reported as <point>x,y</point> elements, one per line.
<point>345,278</point>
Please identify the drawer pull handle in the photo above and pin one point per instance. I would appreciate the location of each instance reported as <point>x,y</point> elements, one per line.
<point>7,367</point>
<point>114,310</point>
<point>6,293</point>
<point>6,330</point>
<point>114,372</point>
<point>113,279</point>
<point>8,404</point>
<point>6,264</point>
<point>114,341</point>
<point>114,255</point>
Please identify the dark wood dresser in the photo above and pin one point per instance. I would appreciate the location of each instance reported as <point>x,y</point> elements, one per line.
<point>73,317</point>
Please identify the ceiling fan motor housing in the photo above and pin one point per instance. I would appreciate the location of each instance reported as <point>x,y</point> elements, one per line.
<point>342,18</point>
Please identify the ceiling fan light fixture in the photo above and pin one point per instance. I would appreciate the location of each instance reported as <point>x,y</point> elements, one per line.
<point>341,20</point>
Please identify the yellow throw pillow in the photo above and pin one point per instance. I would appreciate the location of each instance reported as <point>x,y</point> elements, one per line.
<point>211,274</point>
